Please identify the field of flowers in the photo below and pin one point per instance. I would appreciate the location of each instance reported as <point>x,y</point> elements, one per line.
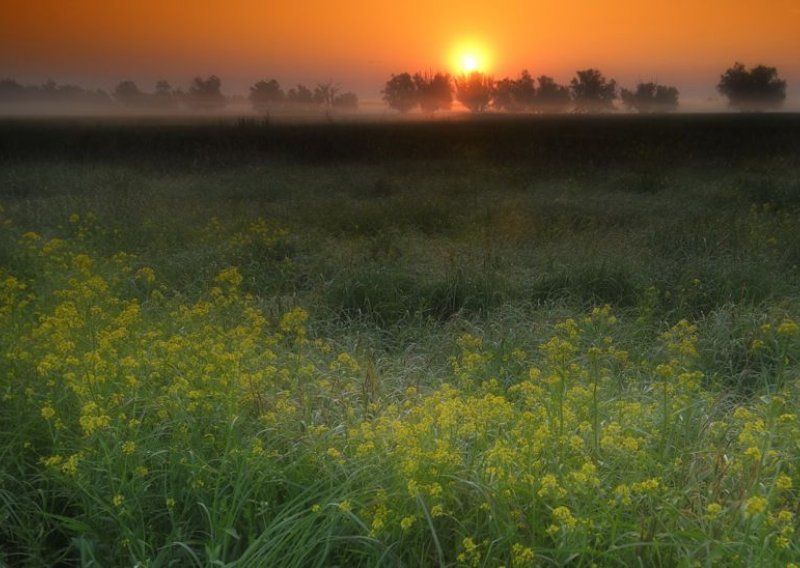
<point>203,377</point>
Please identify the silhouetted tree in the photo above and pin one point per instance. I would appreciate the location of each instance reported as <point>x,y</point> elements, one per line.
<point>474,91</point>
<point>12,91</point>
<point>591,92</point>
<point>264,95</point>
<point>346,101</point>
<point>400,92</point>
<point>758,89</point>
<point>651,97</point>
<point>433,92</point>
<point>300,95</point>
<point>325,93</point>
<point>205,94</point>
<point>504,95</point>
<point>515,95</point>
<point>550,96</point>
<point>525,90</point>
<point>128,94</point>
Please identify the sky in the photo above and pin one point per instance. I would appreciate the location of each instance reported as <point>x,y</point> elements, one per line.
<point>360,43</point>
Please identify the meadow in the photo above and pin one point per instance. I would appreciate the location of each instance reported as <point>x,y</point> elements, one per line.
<point>546,341</point>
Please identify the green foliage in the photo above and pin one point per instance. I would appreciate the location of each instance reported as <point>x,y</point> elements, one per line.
<point>588,285</point>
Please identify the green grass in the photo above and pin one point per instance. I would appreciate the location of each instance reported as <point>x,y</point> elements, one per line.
<point>555,342</point>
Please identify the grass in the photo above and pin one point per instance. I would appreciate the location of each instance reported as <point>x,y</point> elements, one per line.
<point>566,342</point>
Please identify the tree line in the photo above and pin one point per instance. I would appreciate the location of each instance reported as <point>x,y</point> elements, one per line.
<point>589,91</point>
<point>264,96</point>
<point>12,91</point>
<point>268,94</point>
<point>202,95</point>
<point>755,89</point>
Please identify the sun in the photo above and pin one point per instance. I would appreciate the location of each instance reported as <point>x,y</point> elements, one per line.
<point>470,63</point>
<point>469,56</point>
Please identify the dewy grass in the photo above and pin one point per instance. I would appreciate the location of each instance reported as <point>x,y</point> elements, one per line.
<point>204,431</point>
<point>247,385</point>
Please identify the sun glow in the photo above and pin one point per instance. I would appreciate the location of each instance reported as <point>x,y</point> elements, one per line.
<point>468,57</point>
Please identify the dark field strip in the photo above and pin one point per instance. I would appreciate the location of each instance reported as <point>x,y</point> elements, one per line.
<point>549,142</point>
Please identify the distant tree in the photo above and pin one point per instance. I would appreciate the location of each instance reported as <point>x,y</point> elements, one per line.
<point>325,93</point>
<point>591,92</point>
<point>758,89</point>
<point>346,101</point>
<point>515,95</point>
<point>474,91</point>
<point>10,90</point>
<point>164,97</point>
<point>128,94</point>
<point>550,96</point>
<point>400,92</point>
<point>205,94</point>
<point>300,95</point>
<point>433,92</point>
<point>264,95</point>
<point>163,88</point>
<point>49,89</point>
<point>651,97</point>
<point>503,98</point>
<point>525,90</point>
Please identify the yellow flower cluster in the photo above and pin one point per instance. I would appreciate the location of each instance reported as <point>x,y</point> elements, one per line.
<point>561,442</point>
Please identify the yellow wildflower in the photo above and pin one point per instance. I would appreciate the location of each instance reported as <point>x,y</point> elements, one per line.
<point>521,556</point>
<point>564,516</point>
<point>230,276</point>
<point>407,522</point>
<point>755,505</point>
<point>713,511</point>
<point>146,274</point>
<point>788,327</point>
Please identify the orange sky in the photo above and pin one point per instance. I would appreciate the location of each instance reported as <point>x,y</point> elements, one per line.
<point>358,43</point>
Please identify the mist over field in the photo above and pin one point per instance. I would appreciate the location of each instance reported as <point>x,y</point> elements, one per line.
<point>368,108</point>
<point>51,99</point>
